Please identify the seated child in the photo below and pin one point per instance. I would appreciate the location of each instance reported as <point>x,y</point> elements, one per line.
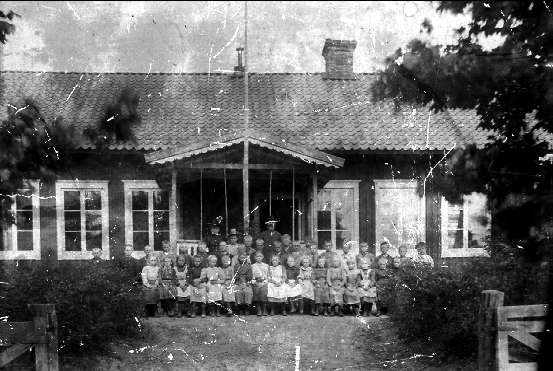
<point>223,251</point>
<point>382,277</point>
<point>212,276</point>
<point>167,286</point>
<point>183,290</point>
<point>365,255</point>
<point>150,281</point>
<point>351,295</point>
<point>329,253</point>
<point>198,293</point>
<point>336,279</point>
<point>312,252</point>
<point>243,290</point>
<point>227,285</point>
<point>293,288</point>
<point>260,273</point>
<point>203,254</point>
<point>367,289</point>
<point>276,291</point>
<point>321,293</point>
<point>307,290</point>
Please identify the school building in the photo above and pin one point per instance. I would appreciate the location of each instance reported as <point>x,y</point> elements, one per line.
<point>314,150</point>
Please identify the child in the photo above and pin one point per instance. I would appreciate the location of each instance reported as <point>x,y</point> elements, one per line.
<point>223,251</point>
<point>307,291</point>
<point>197,287</point>
<point>296,251</point>
<point>312,251</point>
<point>233,243</point>
<point>277,250</point>
<point>203,254</point>
<point>293,288</point>
<point>329,253</point>
<point>384,248</point>
<point>167,252</point>
<point>336,279</point>
<point>423,258</point>
<point>183,290</point>
<point>322,297</point>
<point>382,277</point>
<point>167,287</point>
<point>276,292</point>
<point>367,289</point>
<point>365,255</point>
<point>228,285</point>
<point>96,255</point>
<point>404,260</point>
<point>212,276</point>
<point>260,273</point>
<point>351,295</point>
<point>346,255</point>
<point>243,290</point>
<point>150,281</point>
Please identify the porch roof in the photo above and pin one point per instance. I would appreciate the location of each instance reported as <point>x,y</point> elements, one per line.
<point>309,155</point>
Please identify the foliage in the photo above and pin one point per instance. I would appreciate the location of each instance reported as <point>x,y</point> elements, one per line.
<point>95,304</point>
<point>6,25</point>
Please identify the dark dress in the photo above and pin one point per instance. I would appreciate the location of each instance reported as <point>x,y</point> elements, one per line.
<point>382,277</point>
<point>322,295</point>
<point>212,241</point>
<point>269,238</point>
<point>168,284</point>
<point>244,276</point>
<point>197,288</point>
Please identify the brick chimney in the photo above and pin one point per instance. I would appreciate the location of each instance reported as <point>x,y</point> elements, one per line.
<point>239,69</point>
<point>338,56</point>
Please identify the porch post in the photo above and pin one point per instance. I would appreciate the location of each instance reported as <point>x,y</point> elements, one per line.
<point>314,207</point>
<point>173,208</point>
<point>246,188</point>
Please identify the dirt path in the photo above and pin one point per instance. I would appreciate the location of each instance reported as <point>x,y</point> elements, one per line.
<point>266,343</point>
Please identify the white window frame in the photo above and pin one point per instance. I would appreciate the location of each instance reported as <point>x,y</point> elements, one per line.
<point>81,185</point>
<point>148,186</point>
<point>344,184</point>
<point>13,254</point>
<point>397,184</point>
<point>465,251</point>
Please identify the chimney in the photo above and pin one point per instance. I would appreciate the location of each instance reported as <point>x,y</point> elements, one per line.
<point>239,70</point>
<point>338,56</point>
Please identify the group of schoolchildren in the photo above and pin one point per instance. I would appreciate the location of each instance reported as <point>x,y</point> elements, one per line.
<point>225,277</point>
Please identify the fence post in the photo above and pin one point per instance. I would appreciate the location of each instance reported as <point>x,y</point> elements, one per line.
<point>45,320</point>
<point>490,300</point>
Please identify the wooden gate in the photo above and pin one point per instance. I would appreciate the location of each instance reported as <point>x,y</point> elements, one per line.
<point>40,333</point>
<point>498,323</point>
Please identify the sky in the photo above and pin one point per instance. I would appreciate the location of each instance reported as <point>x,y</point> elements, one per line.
<point>203,36</point>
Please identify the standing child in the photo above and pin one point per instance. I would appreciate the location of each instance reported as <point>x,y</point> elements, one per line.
<point>213,276</point>
<point>351,295</point>
<point>307,291</point>
<point>260,273</point>
<point>183,290</point>
<point>150,281</point>
<point>384,249</point>
<point>336,279</point>
<point>243,290</point>
<point>293,288</point>
<point>167,286</point>
<point>276,292</point>
<point>228,285</point>
<point>197,287</point>
<point>346,255</point>
<point>322,297</point>
<point>203,254</point>
<point>382,276</point>
<point>233,243</point>
<point>365,255</point>
<point>367,289</point>
<point>423,259</point>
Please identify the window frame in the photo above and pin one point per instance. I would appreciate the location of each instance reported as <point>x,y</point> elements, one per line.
<point>342,184</point>
<point>148,186</point>
<point>35,253</point>
<point>397,184</point>
<point>82,185</point>
<point>465,251</point>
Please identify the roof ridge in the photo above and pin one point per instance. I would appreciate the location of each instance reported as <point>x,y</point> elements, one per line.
<point>170,73</point>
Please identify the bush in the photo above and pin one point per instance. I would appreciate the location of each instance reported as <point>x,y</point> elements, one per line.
<point>440,306</point>
<point>95,304</point>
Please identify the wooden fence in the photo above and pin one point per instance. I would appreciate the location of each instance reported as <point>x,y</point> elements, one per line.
<point>496,323</point>
<point>40,333</point>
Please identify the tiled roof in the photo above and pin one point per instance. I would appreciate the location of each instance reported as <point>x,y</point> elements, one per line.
<point>306,109</point>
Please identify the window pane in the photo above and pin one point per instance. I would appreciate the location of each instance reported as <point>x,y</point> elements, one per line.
<point>140,239</point>
<point>24,220</point>
<point>343,204</point>
<point>71,200</point>
<point>161,200</point>
<point>161,220</point>
<point>341,238</point>
<point>158,238</point>
<point>92,200</point>
<point>93,239</point>
<point>478,220</point>
<point>72,220</point>
<point>139,200</point>
<point>93,220</point>
<point>72,241</point>
<point>455,239</point>
<point>140,220</point>
<point>322,237</point>
<point>24,203</point>
<point>25,240</point>
<point>323,219</point>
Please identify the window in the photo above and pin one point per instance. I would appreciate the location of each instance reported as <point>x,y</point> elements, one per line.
<point>146,214</point>
<point>400,213</point>
<point>21,240</point>
<point>465,227</point>
<point>82,213</point>
<point>338,213</point>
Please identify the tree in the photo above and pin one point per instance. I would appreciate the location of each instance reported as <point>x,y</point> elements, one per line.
<point>6,25</point>
<point>510,87</point>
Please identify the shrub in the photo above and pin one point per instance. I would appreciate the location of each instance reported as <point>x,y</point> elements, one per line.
<point>94,303</point>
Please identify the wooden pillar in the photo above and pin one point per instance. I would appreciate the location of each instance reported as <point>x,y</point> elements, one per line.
<point>45,320</point>
<point>314,221</point>
<point>490,300</point>
<point>246,188</point>
<point>293,204</point>
<point>173,210</point>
